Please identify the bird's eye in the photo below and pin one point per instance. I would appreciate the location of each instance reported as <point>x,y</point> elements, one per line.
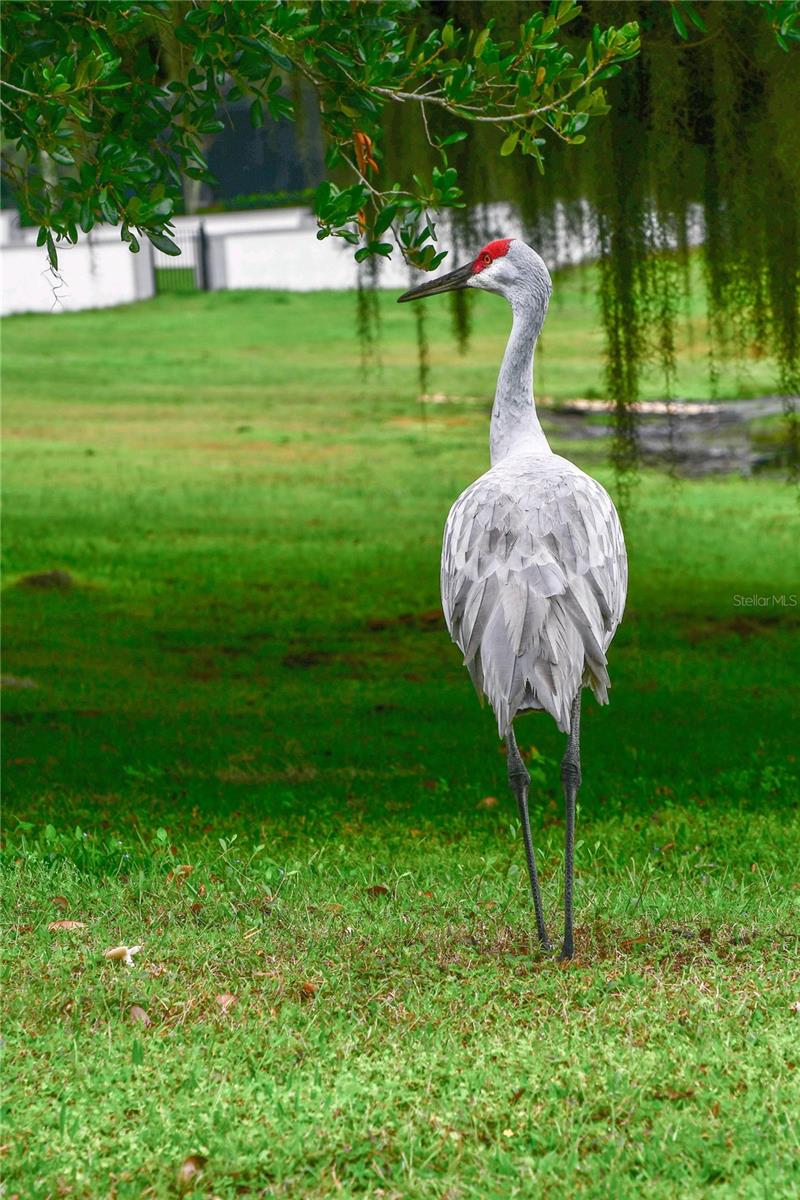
<point>487,258</point>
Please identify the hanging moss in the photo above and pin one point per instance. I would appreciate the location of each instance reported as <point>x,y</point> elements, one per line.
<point>462,237</point>
<point>701,148</point>
<point>368,315</point>
<point>423,357</point>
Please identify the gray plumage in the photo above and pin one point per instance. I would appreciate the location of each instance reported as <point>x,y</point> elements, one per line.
<point>534,572</point>
<point>534,576</point>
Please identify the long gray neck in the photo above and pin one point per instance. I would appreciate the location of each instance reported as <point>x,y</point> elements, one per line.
<point>515,427</point>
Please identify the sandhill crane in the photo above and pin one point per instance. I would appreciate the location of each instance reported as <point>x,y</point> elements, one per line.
<point>534,570</point>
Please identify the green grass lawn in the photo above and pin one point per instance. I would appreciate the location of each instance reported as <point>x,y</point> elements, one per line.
<point>250,678</point>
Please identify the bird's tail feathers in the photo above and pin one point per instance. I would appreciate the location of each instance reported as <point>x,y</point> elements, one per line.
<point>563,656</point>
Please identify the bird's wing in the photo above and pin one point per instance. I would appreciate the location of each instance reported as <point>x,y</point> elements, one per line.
<point>534,577</point>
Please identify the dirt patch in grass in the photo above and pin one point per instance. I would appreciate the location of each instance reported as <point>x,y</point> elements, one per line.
<point>742,625</point>
<point>47,581</point>
<point>302,659</point>
<point>431,619</point>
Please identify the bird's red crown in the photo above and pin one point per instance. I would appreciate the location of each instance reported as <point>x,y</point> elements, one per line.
<point>490,252</point>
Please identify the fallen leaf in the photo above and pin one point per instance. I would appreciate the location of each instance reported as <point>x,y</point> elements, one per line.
<point>488,802</point>
<point>517,1095</point>
<point>197,906</point>
<point>60,902</point>
<point>122,954</point>
<point>140,1017</point>
<point>637,941</point>
<point>22,928</point>
<point>190,1171</point>
<point>667,846</point>
<point>796,1006</point>
<point>178,874</point>
<point>308,989</point>
<point>55,926</point>
<point>334,908</point>
<point>226,1001</point>
<point>378,889</point>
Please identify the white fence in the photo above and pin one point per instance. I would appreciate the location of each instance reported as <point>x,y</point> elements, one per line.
<point>267,249</point>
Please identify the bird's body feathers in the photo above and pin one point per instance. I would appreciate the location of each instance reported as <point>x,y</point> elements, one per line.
<point>534,570</point>
<point>534,576</point>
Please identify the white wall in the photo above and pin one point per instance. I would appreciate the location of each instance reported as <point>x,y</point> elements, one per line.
<point>267,249</point>
<point>270,249</point>
<point>94,274</point>
<point>298,262</point>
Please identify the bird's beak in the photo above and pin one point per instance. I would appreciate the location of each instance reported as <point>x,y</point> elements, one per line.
<point>445,283</point>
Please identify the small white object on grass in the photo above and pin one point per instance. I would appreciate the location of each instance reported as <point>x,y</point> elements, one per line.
<point>123,954</point>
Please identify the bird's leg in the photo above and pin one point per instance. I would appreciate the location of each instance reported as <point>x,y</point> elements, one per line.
<point>571,778</point>
<point>519,779</point>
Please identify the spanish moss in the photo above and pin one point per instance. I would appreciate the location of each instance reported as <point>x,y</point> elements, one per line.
<point>368,316</point>
<point>689,188</point>
<point>423,358</point>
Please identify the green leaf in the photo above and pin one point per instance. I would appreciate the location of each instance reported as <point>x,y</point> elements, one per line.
<point>323,195</point>
<point>51,251</point>
<point>163,208</point>
<point>62,155</point>
<point>279,59</point>
<point>510,144</point>
<point>480,42</point>
<point>257,114</point>
<point>694,17</point>
<point>385,218</point>
<point>678,22</point>
<point>163,243</point>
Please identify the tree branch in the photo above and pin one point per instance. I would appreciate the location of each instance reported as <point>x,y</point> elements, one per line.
<point>460,109</point>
